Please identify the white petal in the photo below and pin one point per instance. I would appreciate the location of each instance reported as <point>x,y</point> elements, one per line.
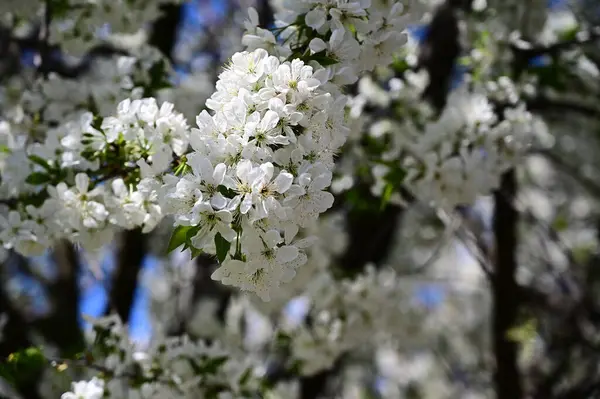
<point>287,253</point>
<point>317,45</point>
<point>243,169</point>
<point>283,182</point>
<point>246,204</point>
<point>306,242</point>
<point>269,121</point>
<point>290,231</point>
<point>253,16</point>
<point>272,238</point>
<point>267,170</point>
<point>320,182</point>
<point>225,216</point>
<point>315,18</point>
<point>119,188</point>
<point>323,76</point>
<point>227,232</point>
<point>82,182</point>
<point>219,173</point>
<point>234,203</point>
<point>276,105</point>
<point>336,37</point>
<point>218,201</point>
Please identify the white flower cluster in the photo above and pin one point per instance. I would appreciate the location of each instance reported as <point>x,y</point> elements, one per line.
<point>450,159</point>
<point>463,154</point>
<point>92,389</point>
<point>332,241</point>
<point>20,7</point>
<point>262,161</point>
<point>260,166</point>
<point>356,35</point>
<point>49,108</point>
<point>89,211</point>
<point>58,99</point>
<point>78,22</point>
<point>169,367</point>
<point>346,315</point>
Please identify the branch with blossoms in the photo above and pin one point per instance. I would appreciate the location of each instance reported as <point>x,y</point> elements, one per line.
<point>259,165</point>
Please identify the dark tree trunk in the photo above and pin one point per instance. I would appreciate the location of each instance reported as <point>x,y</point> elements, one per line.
<point>265,14</point>
<point>370,238</point>
<point>504,286</point>
<point>312,387</point>
<point>14,339</point>
<point>163,34</point>
<point>130,256</point>
<point>61,327</point>
<point>438,54</point>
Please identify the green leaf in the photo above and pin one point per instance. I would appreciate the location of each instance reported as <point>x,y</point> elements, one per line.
<point>97,122</point>
<point>222,246</point>
<point>195,252</point>
<point>395,176</point>
<point>178,238</point>
<point>245,377</point>
<point>21,366</point>
<point>213,365</point>
<point>227,192</point>
<point>400,65</point>
<point>191,233</point>
<point>560,223</point>
<point>39,161</point>
<point>387,195</point>
<point>523,332</point>
<point>569,34</point>
<point>582,254</point>
<point>89,154</point>
<point>60,8</point>
<point>38,178</point>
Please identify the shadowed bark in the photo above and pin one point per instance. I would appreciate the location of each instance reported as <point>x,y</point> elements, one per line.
<point>438,54</point>
<point>14,339</point>
<point>61,327</point>
<point>313,386</point>
<point>130,256</point>
<point>265,15</point>
<point>163,34</point>
<point>370,238</point>
<point>507,380</point>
